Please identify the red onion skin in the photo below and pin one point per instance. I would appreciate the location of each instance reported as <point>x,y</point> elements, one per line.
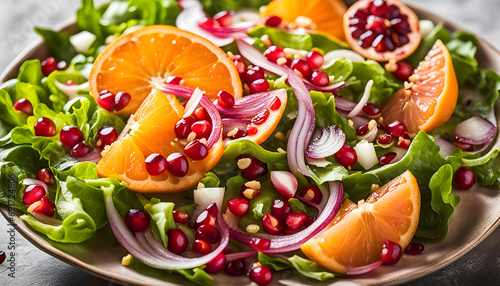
<point>363,269</point>
<point>332,147</point>
<point>29,181</point>
<point>461,132</point>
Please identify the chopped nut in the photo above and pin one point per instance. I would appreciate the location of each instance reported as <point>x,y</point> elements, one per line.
<point>372,124</point>
<point>391,66</point>
<point>243,163</point>
<point>303,21</point>
<point>265,39</point>
<point>281,61</point>
<point>350,122</point>
<point>380,120</point>
<point>309,195</point>
<point>250,193</point>
<point>252,228</point>
<point>253,185</point>
<point>414,78</point>
<point>203,141</point>
<point>408,85</point>
<point>232,132</point>
<point>183,142</point>
<point>127,260</point>
<point>298,73</point>
<point>361,202</point>
<point>280,136</point>
<point>292,26</point>
<point>387,22</point>
<point>374,187</point>
<point>256,264</point>
<point>191,136</point>
<point>280,150</point>
<point>407,92</point>
<point>200,186</point>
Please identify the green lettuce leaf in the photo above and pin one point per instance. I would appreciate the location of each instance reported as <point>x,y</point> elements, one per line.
<point>212,7</point>
<point>161,213</point>
<point>59,44</point>
<point>303,266</point>
<point>488,174</point>
<point>283,39</point>
<point>58,98</point>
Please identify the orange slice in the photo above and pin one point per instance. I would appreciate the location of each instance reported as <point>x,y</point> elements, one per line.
<point>357,233</point>
<point>136,62</point>
<point>428,101</point>
<point>152,131</point>
<point>326,15</point>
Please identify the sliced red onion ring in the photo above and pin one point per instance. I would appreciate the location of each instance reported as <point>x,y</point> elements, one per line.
<point>287,243</point>
<point>475,130</point>
<point>362,269</point>
<point>343,104</point>
<point>332,56</point>
<point>241,255</point>
<point>235,32</point>
<point>446,147</point>
<point>307,202</point>
<point>364,99</point>
<point>328,141</point>
<point>94,157</point>
<point>285,183</point>
<point>249,106</point>
<point>29,181</point>
<point>400,153</point>
<point>482,149</point>
<point>318,162</point>
<point>371,135</point>
<point>46,219</point>
<point>303,127</point>
<point>254,56</point>
<point>229,124</point>
<point>193,102</point>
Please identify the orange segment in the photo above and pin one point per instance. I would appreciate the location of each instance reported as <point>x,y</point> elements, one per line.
<point>326,15</point>
<point>136,62</point>
<point>429,100</point>
<point>152,131</point>
<point>357,233</point>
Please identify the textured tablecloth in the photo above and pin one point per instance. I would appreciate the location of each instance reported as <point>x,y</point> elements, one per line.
<point>481,266</point>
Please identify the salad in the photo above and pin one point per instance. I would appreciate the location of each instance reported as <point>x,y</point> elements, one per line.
<point>249,137</point>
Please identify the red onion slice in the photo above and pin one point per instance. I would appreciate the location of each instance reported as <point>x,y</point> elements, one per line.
<point>235,32</point>
<point>364,99</point>
<point>193,102</point>
<point>248,106</point>
<point>29,181</point>
<point>327,143</point>
<point>332,56</point>
<point>446,148</point>
<point>343,104</point>
<point>241,255</point>
<point>362,269</point>
<point>285,183</point>
<point>94,157</point>
<point>46,219</point>
<point>229,124</point>
<point>287,243</point>
<point>307,202</point>
<point>475,130</point>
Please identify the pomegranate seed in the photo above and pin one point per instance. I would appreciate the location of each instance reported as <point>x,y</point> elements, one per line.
<point>251,130</point>
<point>401,26</point>
<point>180,217</point>
<point>225,99</point>
<point>261,275</point>
<point>376,24</point>
<point>260,85</point>
<point>240,65</point>
<point>156,164</point>
<point>252,74</point>
<point>379,8</point>
<point>296,220</point>
<point>391,252</point>
<point>224,18</point>
<point>106,100</point>
<point>201,246</point>
<point>271,224</point>
<point>177,241</point>
<point>255,170</point>
<point>196,150</point>
<point>403,71</point>
<point>240,133</point>
<point>463,146</point>
<point>70,136</point>
<point>310,220</point>
<point>137,220</point>
<point>261,117</point>
<point>45,175</point>
<point>362,130</point>
<point>393,11</point>
<point>33,193</point>
<point>201,114</point>
<point>414,248</point>
<point>366,39</point>
<point>46,207</point>
<point>384,139</point>
<point>174,80</point>
<point>272,21</point>
<point>177,164</point>
<point>2,257</point>
<point>24,106</point>
<point>208,233</point>
<point>303,67</point>
<point>357,32</point>
<point>106,136</point>
<point>320,78</point>
<point>260,243</point>
<point>238,206</point>
<point>276,104</point>
<point>80,149</point>
<point>205,218</point>
<point>207,23</point>
<point>202,129</point>
<point>281,208</point>
<point>235,267</point>
<point>464,178</point>
<point>403,142</point>
<point>45,127</point>
<point>312,194</point>
<point>387,158</point>
<point>371,110</point>
<point>122,99</point>
<point>346,156</point>
<point>314,59</point>
<point>357,23</point>
<point>183,127</point>
<point>48,65</point>
<point>396,129</point>
<point>217,264</point>
<point>273,53</point>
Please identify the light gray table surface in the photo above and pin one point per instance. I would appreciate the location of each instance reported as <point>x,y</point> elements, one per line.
<point>481,266</point>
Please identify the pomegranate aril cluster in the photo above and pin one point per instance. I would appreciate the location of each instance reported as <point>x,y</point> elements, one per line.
<point>221,19</point>
<point>36,200</point>
<point>24,106</point>
<point>50,64</point>
<point>112,102</point>
<point>380,26</point>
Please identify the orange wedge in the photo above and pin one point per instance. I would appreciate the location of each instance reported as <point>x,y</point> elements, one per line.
<point>137,62</point>
<point>428,101</point>
<point>152,131</point>
<point>327,15</point>
<point>356,235</point>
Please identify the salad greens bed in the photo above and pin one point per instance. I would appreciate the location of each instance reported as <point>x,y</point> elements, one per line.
<point>79,193</point>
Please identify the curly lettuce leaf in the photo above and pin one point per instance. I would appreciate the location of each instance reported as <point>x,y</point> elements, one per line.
<point>58,98</point>
<point>212,7</point>
<point>488,174</point>
<point>303,266</point>
<point>161,213</point>
<point>58,43</point>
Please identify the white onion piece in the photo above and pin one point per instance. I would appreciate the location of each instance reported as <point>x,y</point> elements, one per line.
<point>188,20</point>
<point>364,99</point>
<point>82,41</point>
<point>322,162</point>
<point>229,124</point>
<point>94,157</point>
<point>446,148</point>
<point>369,136</point>
<point>203,198</point>
<point>46,219</point>
<point>332,56</point>
<point>329,140</point>
<point>475,130</point>
<point>362,269</point>
<point>29,181</point>
<point>366,154</point>
<point>193,102</point>
<point>400,153</point>
<point>246,15</point>
<point>285,183</point>
<point>426,27</point>
<point>71,90</point>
